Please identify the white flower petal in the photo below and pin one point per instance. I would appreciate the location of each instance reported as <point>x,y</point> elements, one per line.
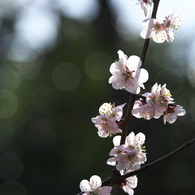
<point>143,75</point>
<point>85,186</point>
<point>111,161</point>
<point>116,140</point>
<point>95,182</point>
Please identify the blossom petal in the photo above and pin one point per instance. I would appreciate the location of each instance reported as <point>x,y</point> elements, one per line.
<point>116,140</point>
<point>95,182</point>
<point>85,186</point>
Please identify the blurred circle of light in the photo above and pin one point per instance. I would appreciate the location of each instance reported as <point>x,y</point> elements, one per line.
<point>11,166</point>
<point>66,76</point>
<point>8,103</point>
<point>37,28</point>
<point>45,99</point>
<point>22,115</point>
<point>28,70</point>
<point>9,79</point>
<point>12,187</point>
<point>97,65</point>
<point>81,10</point>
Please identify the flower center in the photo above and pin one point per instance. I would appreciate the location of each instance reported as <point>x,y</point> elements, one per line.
<point>159,26</point>
<point>128,74</point>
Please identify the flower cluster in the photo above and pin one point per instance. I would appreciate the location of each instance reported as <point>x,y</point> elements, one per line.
<point>108,121</point>
<point>156,103</point>
<point>129,156</point>
<point>128,74</point>
<point>161,30</point>
<point>93,186</point>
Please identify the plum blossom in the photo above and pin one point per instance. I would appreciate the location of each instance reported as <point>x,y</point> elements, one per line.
<point>155,29</point>
<point>153,104</point>
<point>129,183</point>
<point>93,186</point>
<point>128,156</point>
<point>161,30</point>
<point>108,121</point>
<point>157,103</point>
<point>170,115</point>
<point>127,73</point>
<point>130,160</point>
<point>172,22</point>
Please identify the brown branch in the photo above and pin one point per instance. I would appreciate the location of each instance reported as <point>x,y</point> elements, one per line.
<point>126,120</point>
<point>117,179</point>
<point>109,181</point>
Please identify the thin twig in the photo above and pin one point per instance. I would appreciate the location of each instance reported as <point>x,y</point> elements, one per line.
<point>109,180</point>
<point>119,179</point>
<point>126,121</point>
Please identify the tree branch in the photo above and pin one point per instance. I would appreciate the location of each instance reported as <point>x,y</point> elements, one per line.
<point>110,180</point>
<point>126,121</point>
<point>117,179</point>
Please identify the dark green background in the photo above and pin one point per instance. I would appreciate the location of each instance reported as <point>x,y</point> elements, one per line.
<point>48,143</point>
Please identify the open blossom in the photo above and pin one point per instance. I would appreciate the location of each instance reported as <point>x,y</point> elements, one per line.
<point>161,30</point>
<point>155,29</point>
<point>172,23</point>
<point>156,103</point>
<point>159,97</point>
<point>129,183</point>
<point>128,156</point>
<point>153,104</point>
<point>109,119</point>
<point>127,73</point>
<point>170,115</point>
<point>130,160</point>
<point>93,186</point>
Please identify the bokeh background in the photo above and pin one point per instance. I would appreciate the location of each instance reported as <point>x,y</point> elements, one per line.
<point>54,69</point>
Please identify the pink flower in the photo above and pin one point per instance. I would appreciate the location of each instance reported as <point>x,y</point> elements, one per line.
<point>172,23</point>
<point>129,183</point>
<point>153,104</point>
<point>130,160</point>
<point>93,186</point>
<point>109,119</point>
<point>127,74</point>
<point>130,155</point>
<point>105,126</point>
<point>160,30</point>
<point>154,29</point>
<point>170,115</point>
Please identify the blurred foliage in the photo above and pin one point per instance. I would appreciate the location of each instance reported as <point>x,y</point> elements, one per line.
<point>48,96</point>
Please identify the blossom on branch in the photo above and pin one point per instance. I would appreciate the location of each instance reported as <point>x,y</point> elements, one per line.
<point>161,30</point>
<point>93,186</point>
<point>129,183</point>
<point>154,29</point>
<point>156,103</point>
<point>127,73</point>
<point>108,121</point>
<point>172,22</point>
<point>128,156</point>
<point>170,115</point>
